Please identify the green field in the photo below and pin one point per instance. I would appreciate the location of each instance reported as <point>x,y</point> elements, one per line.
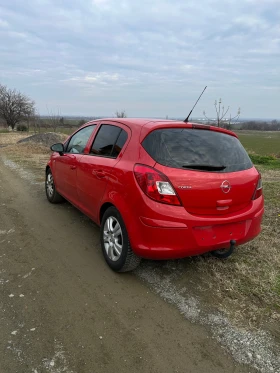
<point>263,147</point>
<point>260,142</point>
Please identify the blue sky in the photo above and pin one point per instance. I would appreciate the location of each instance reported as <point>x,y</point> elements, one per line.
<point>151,58</point>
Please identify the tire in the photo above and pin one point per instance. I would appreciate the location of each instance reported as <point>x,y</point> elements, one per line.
<point>52,195</point>
<point>115,242</point>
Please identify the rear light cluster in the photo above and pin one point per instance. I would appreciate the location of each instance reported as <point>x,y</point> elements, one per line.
<point>155,185</point>
<point>258,191</point>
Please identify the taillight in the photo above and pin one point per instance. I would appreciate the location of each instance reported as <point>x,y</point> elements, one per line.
<point>258,191</point>
<point>155,185</point>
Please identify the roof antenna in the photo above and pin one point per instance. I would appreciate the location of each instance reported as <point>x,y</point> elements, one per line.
<point>187,119</point>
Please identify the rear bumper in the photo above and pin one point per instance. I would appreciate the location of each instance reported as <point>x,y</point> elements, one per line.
<point>185,235</point>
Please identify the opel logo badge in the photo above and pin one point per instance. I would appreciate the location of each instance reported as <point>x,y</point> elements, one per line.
<point>225,186</point>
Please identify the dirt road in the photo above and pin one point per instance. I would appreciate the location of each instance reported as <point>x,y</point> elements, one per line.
<point>63,310</point>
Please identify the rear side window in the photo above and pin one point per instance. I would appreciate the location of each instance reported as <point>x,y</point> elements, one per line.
<point>196,149</point>
<point>109,141</point>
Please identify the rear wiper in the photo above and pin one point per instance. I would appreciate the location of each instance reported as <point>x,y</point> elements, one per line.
<point>207,167</point>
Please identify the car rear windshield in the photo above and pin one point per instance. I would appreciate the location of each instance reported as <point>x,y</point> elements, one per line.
<point>197,149</point>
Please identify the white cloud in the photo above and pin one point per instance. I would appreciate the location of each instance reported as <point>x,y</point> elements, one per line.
<point>101,78</point>
<point>99,2</point>
<point>251,21</point>
<point>3,23</point>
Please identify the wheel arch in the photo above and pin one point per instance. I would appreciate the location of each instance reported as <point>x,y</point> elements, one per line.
<point>127,260</point>
<point>126,211</point>
<point>103,208</point>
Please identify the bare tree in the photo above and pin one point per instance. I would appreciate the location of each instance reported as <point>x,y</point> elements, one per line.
<point>36,122</point>
<point>61,121</point>
<point>54,119</point>
<point>121,114</point>
<point>14,106</point>
<point>221,112</point>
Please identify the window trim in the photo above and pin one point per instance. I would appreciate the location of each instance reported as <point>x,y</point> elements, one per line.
<point>108,156</point>
<point>93,125</point>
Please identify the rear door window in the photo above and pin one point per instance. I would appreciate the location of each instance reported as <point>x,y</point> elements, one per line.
<point>196,149</point>
<point>119,144</point>
<point>109,141</point>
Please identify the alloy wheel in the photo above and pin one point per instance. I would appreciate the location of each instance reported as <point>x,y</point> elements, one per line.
<point>50,185</point>
<point>113,238</point>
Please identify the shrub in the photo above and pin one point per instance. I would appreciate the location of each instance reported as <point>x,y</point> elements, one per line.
<point>270,161</point>
<point>22,128</point>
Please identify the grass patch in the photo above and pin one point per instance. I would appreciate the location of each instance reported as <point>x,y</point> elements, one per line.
<point>262,159</point>
<point>9,138</point>
<point>67,131</point>
<point>277,287</point>
<point>269,161</point>
<point>261,142</point>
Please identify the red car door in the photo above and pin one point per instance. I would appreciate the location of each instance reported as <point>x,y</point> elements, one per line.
<point>66,165</point>
<point>95,169</point>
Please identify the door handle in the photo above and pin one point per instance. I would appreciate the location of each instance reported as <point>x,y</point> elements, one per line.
<point>73,167</point>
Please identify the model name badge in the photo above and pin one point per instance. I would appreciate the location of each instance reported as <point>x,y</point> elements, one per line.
<point>184,187</point>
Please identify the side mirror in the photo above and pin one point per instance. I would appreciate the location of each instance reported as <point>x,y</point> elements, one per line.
<point>59,148</point>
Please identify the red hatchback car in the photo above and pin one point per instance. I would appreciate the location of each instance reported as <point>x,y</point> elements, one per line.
<point>159,189</point>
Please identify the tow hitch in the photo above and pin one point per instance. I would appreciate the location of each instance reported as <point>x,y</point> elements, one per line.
<point>224,253</point>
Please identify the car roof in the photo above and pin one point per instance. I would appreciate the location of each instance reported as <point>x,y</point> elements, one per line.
<point>151,124</point>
